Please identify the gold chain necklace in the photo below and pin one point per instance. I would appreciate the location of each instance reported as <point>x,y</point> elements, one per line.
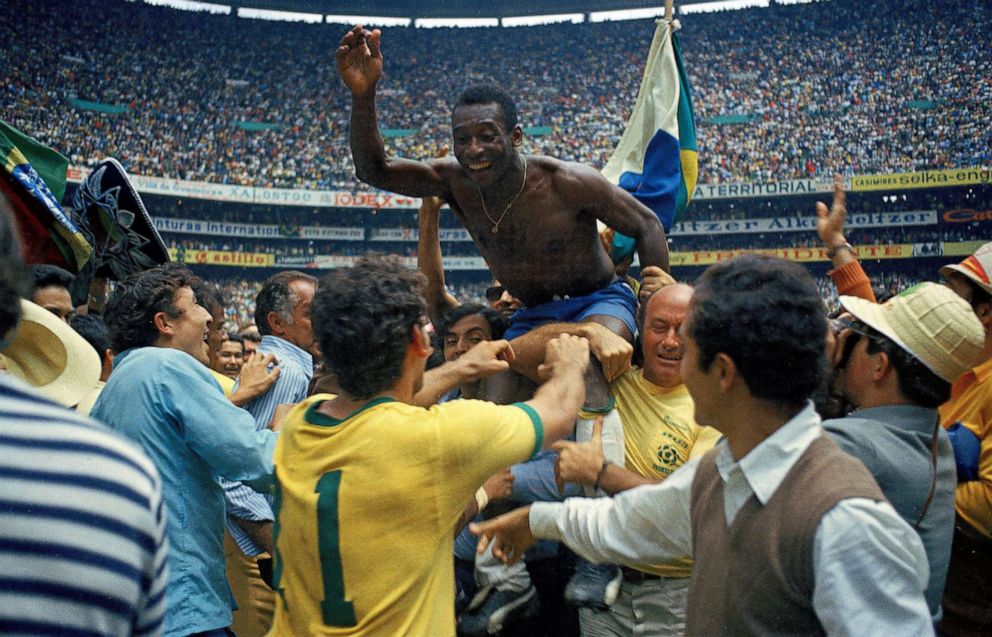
<point>496,222</point>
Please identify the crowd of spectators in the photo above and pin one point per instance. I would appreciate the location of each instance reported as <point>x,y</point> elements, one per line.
<point>905,74</point>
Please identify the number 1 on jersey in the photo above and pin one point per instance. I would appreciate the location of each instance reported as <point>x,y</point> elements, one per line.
<point>336,610</point>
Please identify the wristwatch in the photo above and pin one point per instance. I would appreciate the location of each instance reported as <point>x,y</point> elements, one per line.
<point>832,252</point>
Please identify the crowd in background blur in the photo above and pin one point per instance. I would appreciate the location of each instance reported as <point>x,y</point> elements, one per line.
<point>228,100</point>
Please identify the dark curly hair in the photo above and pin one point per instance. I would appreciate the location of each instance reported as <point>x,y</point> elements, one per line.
<point>490,94</point>
<point>765,314</point>
<point>362,318</point>
<point>134,303</point>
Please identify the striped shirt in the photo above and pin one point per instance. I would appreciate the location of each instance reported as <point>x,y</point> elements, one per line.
<point>296,367</point>
<point>82,524</point>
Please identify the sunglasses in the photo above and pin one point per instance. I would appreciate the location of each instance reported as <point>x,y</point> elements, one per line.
<point>494,293</point>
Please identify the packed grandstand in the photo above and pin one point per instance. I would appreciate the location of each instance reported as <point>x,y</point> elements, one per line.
<point>236,130</point>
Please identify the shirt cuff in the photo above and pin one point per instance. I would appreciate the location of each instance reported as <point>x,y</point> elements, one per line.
<point>543,520</point>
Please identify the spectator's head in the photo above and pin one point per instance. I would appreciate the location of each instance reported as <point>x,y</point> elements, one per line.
<point>230,357</point>
<point>970,280</point>
<point>465,326</point>
<point>911,349</point>
<point>756,330</point>
<point>210,297</point>
<point>92,328</point>
<point>282,308</point>
<point>51,290</point>
<point>502,301</point>
<point>250,338</point>
<point>485,133</point>
<point>659,319</point>
<point>157,308</point>
<point>370,324</point>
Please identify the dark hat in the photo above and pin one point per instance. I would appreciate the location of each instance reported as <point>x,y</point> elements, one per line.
<point>112,217</point>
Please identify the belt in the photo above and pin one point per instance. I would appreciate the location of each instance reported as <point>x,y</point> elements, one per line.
<point>634,576</point>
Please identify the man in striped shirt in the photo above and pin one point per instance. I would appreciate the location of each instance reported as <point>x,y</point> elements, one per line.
<point>282,313</point>
<point>82,526</point>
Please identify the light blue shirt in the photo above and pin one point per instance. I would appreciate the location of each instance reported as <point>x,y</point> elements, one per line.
<point>869,565</point>
<point>296,370</point>
<point>169,403</point>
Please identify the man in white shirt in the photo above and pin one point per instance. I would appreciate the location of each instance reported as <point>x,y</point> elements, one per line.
<point>793,535</point>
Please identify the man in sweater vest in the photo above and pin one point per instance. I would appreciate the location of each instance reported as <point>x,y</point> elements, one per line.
<point>789,535</point>
<point>896,363</point>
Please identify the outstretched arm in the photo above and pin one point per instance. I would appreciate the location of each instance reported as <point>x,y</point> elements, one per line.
<point>359,62</point>
<point>429,260</point>
<point>611,350</point>
<point>618,209</point>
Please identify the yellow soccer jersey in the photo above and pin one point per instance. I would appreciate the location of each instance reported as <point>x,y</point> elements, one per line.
<point>660,435</point>
<point>366,509</point>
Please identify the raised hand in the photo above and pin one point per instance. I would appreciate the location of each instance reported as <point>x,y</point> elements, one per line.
<point>258,374</point>
<point>487,358</point>
<point>360,60</point>
<point>653,279</point>
<point>611,350</point>
<point>830,223</point>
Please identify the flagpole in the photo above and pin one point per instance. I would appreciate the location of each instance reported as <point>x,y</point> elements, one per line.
<point>669,9</point>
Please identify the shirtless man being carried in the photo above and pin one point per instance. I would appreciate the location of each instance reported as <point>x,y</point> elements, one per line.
<point>533,218</point>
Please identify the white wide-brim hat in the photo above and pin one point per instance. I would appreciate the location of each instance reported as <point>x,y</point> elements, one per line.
<point>50,356</point>
<point>930,322</point>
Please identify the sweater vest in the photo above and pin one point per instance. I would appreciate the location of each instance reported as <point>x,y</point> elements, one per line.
<point>755,576</point>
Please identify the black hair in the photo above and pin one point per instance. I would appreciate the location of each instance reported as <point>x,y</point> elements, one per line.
<point>497,324</point>
<point>236,338</point>
<point>133,304</point>
<point>917,383</point>
<point>209,296</point>
<point>362,317</point>
<point>44,275</point>
<point>92,328</point>
<point>979,295</point>
<point>12,279</point>
<point>276,296</point>
<point>765,314</point>
<point>490,94</point>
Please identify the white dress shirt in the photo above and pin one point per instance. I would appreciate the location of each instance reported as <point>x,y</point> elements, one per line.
<point>869,566</point>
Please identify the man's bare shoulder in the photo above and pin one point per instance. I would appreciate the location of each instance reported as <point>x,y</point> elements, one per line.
<point>569,177</point>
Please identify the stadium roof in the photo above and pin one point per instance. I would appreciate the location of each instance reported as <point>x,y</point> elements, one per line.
<point>450,8</point>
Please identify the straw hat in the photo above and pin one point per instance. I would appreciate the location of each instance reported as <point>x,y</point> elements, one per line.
<point>977,267</point>
<point>49,355</point>
<point>930,322</point>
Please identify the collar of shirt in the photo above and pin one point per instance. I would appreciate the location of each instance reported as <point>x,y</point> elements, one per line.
<point>764,468</point>
<point>983,372</point>
<point>283,349</point>
<point>909,417</point>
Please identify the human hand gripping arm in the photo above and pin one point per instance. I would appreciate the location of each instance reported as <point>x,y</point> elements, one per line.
<point>611,350</point>
<point>584,463</point>
<point>359,62</point>
<point>559,399</point>
<point>256,378</point>
<point>483,360</point>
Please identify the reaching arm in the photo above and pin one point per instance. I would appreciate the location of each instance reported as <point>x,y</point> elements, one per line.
<point>583,463</point>
<point>359,62</point>
<point>485,359</point>
<point>429,259</point>
<point>559,399</point>
<point>619,210</point>
<point>612,351</point>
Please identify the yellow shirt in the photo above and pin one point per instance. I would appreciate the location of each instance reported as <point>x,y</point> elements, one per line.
<point>660,435</point>
<point>366,509</point>
<point>226,383</point>
<point>971,404</point>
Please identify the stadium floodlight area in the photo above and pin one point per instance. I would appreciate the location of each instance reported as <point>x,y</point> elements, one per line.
<point>368,20</point>
<point>626,14</point>
<point>535,20</point>
<point>190,5</point>
<point>725,5</point>
<point>282,16</point>
<point>462,23</point>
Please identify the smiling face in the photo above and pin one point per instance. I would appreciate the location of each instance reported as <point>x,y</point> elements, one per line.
<point>660,344</point>
<point>229,359</point>
<point>189,327</point>
<point>483,146</point>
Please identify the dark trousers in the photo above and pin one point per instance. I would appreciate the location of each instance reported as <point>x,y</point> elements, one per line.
<point>967,598</point>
